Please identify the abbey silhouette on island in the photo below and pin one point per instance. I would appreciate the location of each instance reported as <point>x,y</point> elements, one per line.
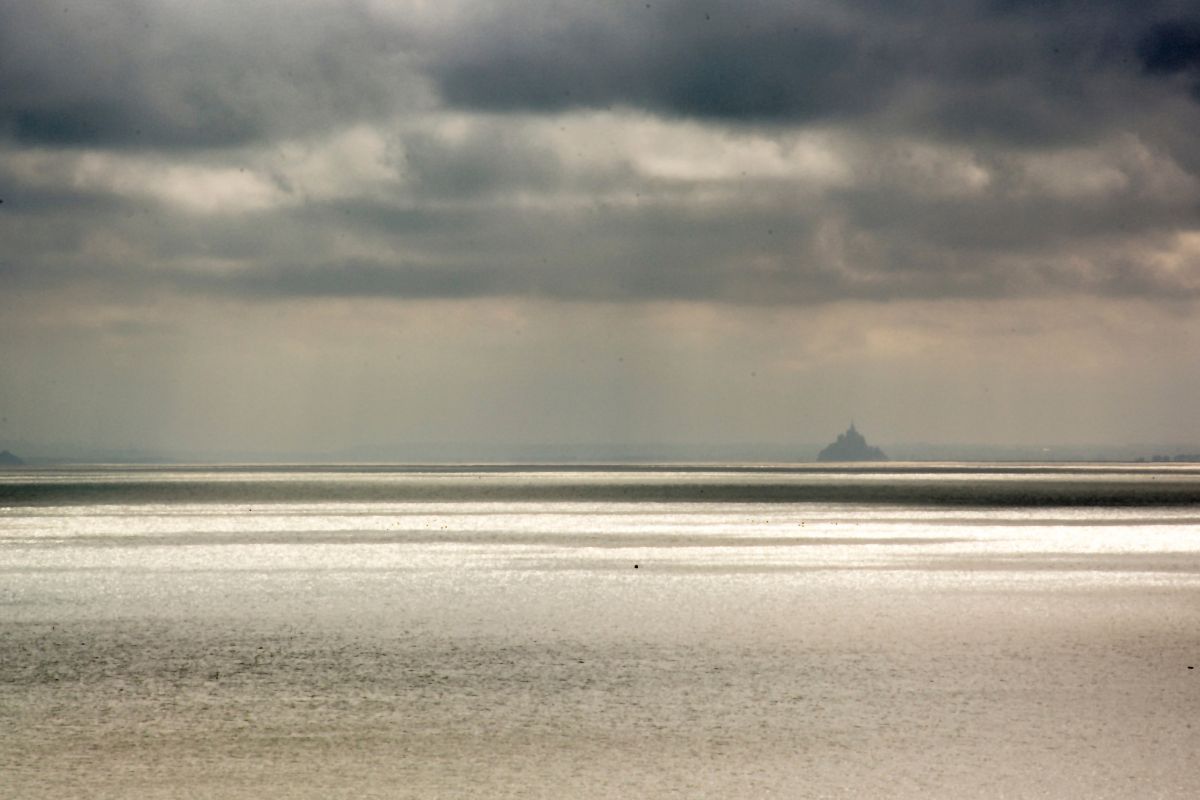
<point>851,446</point>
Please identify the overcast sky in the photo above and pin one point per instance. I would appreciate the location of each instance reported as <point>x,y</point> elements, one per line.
<point>310,225</point>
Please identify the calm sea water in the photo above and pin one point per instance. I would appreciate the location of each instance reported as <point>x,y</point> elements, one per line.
<point>908,631</point>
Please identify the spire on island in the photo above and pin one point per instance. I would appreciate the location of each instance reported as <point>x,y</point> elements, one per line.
<point>851,446</point>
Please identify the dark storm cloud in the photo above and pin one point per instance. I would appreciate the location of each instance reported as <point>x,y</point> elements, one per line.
<point>697,59</point>
<point>1173,48</point>
<point>138,73</point>
<point>1009,71</point>
<point>767,70</point>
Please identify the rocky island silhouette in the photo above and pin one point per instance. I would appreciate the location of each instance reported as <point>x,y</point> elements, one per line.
<point>851,446</point>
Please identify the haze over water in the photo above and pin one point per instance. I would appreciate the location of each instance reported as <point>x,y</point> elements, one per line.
<point>898,630</point>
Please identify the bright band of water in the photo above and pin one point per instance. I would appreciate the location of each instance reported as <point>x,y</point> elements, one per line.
<point>401,632</point>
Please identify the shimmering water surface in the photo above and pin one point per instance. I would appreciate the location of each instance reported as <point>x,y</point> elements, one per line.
<point>907,631</point>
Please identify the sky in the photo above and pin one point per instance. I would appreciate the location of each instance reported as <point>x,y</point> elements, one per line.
<point>333,226</point>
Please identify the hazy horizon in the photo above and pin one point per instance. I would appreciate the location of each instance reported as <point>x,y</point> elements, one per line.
<point>321,227</point>
<point>599,453</point>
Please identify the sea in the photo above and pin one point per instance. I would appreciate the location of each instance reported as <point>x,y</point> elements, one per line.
<point>723,631</point>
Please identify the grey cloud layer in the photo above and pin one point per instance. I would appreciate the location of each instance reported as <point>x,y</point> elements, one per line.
<point>451,228</point>
<point>140,73</point>
<point>983,149</point>
<point>1007,71</point>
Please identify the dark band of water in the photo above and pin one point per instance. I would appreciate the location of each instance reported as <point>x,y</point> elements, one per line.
<point>912,486</point>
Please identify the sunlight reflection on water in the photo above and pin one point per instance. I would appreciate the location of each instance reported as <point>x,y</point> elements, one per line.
<point>296,647</point>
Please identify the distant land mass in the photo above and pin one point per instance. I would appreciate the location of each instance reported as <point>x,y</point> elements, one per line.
<point>851,446</point>
<point>1178,457</point>
<point>781,451</point>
